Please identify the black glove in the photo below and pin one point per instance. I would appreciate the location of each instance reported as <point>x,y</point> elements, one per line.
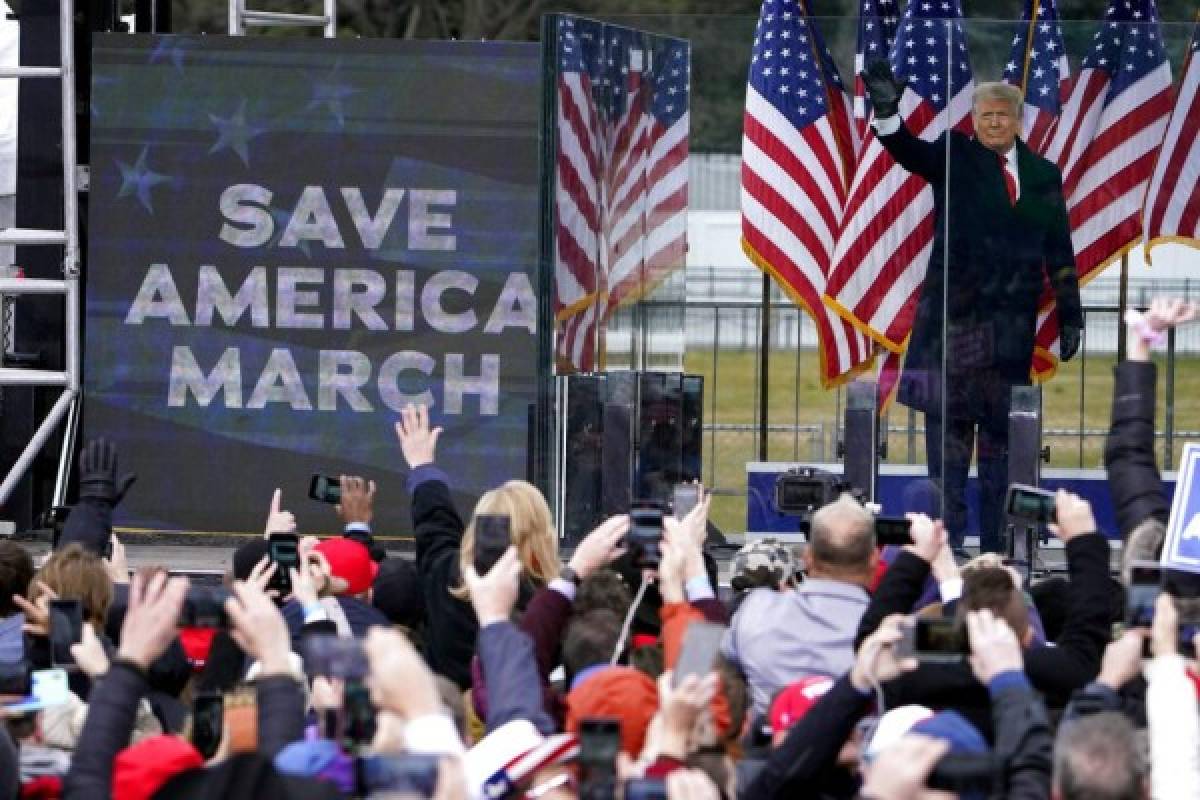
<point>1068,342</point>
<point>98,473</point>
<point>883,89</point>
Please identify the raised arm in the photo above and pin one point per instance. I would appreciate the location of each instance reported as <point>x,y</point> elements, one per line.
<point>1133,476</point>
<point>904,582</point>
<point>506,653</point>
<point>149,628</point>
<point>437,527</point>
<point>927,159</point>
<point>1075,659</point>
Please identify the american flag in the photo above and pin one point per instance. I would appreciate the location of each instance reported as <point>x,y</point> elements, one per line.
<point>647,183</point>
<point>1173,201</point>
<point>1110,131</point>
<point>883,250</point>
<point>797,152</point>
<point>620,198</point>
<point>876,31</point>
<point>578,192</point>
<point>1038,65</point>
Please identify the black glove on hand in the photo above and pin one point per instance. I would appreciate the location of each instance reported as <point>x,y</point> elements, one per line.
<point>883,89</point>
<point>98,473</point>
<point>1068,342</point>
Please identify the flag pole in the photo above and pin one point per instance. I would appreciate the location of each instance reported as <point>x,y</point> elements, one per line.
<point>764,363</point>
<point>1122,305</point>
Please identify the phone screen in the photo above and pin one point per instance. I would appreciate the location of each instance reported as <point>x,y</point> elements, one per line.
<point>208,721</point>
<point>698,656</point>
<point>66,620</point>
<point>599,743</point>
<point>1145,585</point>
<point>358,716</point>
<point>687,497</point>
<point>492,538</point>
<point>284,550</point>
<point>48,688</point>
<point>941,637</point>
<point>645,534</point>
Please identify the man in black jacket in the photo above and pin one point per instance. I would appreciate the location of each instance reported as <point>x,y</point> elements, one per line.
<point>438,529</point>
<point>1001,231</point>
<point>804,765</point>
<point>1054,670</point>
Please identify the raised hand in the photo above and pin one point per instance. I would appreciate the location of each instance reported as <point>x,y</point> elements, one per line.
<point>98,473</point>
<point>116,565</point>
<point>600,547</point>
<point>1072,516</point>
<point>260,576</point>
<point>258,628</point>
<point>1122,659</point>
<point>928,535</point>
<point>278,520</point>
<point>358,500</point>
<point>88,653</point>
<point>695,523</point>
<point>418,442</point>
<point>493,595</point>
<point>1168,312</point>
<point>883,88</point>
<point>400,681</point>
<point>151,617</point>
<point>1164,634</point>
<point>994,646</point>
<point>878,659</point>
<point>37,612</point>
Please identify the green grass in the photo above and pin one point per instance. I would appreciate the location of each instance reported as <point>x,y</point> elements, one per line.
<point>731,397</point>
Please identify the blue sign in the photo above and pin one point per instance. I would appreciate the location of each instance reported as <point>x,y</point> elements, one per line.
<point>290,241</point>
<point>1182,549</point>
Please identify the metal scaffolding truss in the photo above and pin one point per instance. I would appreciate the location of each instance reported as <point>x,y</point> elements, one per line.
<point>67,405</point>
<point>241,18</point>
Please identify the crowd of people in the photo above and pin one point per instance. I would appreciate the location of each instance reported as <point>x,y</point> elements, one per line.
<point>587,677</point>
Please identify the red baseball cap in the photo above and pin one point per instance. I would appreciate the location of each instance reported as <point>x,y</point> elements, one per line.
<point>350,561</point>
<point>795,700</point>
<point>141,769</point>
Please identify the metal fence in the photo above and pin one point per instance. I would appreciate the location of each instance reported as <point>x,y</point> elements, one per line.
<point>721,337</point>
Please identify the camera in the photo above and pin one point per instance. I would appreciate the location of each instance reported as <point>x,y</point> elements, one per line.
<point>1030,504</point>
<point>802,490</point>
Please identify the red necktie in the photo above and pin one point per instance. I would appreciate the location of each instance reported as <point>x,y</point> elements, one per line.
<point>1010,182</point>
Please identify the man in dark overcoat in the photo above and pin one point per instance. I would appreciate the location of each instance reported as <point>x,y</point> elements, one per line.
<point>1001,231</point>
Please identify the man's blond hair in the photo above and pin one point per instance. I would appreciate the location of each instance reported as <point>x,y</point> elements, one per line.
<point>997,90</point>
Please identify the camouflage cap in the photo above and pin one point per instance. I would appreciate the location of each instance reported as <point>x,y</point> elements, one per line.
<point>763,562</point>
